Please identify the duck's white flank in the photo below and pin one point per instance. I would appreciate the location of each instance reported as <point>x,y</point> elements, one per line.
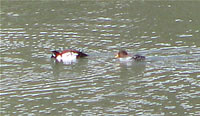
<point>125,59</point>
<point>67,58</point>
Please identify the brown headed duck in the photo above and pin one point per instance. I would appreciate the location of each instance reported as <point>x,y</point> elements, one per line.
<point>122,55</point>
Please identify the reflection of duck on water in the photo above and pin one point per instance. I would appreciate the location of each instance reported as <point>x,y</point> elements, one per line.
<point>124,56</point>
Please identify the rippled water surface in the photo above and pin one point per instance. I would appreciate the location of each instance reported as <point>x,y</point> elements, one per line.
<point>166,83</point>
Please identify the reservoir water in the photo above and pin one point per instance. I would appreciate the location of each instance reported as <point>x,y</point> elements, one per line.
<point>165,84</point>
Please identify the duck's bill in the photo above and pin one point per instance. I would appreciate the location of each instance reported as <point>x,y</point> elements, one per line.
<point>117,56</point>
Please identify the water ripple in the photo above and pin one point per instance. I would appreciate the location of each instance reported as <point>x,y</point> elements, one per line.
<point>166,83</point>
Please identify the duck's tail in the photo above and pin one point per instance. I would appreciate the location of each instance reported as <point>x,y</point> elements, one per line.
<point>55,54</point>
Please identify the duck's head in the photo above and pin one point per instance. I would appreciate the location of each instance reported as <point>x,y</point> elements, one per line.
<point>121,54</point>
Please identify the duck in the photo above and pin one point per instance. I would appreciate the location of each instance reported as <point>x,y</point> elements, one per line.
<point>67,56</point>
<point>122,55</point>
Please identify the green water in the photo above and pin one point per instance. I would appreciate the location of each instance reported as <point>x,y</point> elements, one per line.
<point>166,83</point>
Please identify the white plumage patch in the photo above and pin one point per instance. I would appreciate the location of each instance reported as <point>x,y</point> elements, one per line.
<point>59,58</point>
<point>125,59</point>
<point>67,58</point>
